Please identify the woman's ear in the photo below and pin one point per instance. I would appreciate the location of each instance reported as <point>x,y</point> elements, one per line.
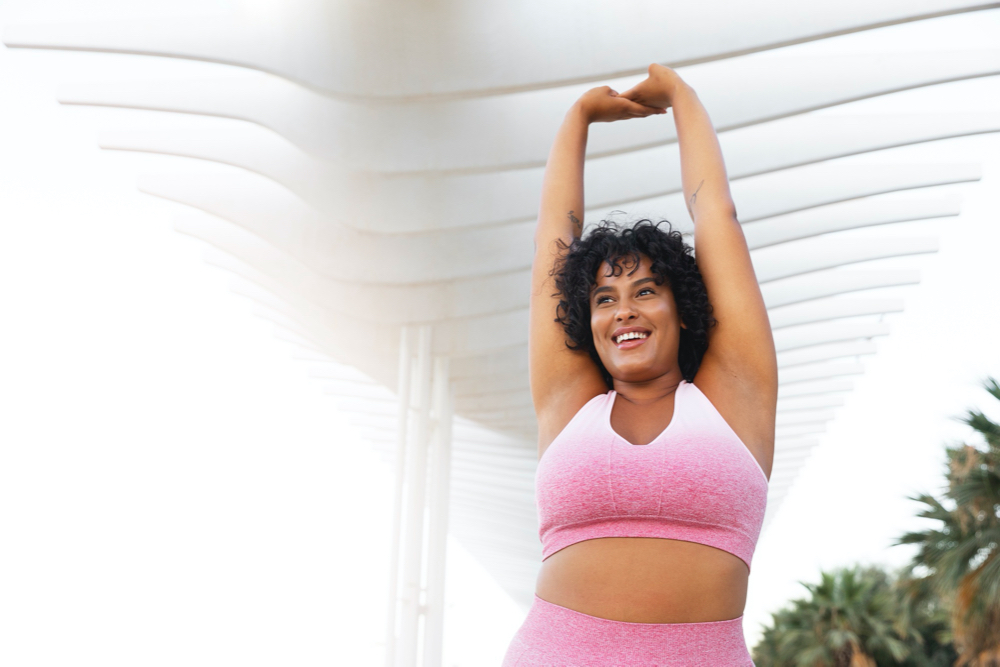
<point>683,326</point>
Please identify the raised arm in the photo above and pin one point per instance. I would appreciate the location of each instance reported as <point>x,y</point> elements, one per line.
<point>563,380</point>
<point>739,371</point>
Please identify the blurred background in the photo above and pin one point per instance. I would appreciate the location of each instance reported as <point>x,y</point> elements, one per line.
<point>219,219</point>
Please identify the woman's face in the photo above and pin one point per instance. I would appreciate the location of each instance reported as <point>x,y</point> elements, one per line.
<point>634,303</point>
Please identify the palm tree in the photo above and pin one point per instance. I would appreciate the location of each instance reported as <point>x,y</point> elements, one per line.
<point>962,552</point>
<point>924,617</point>
<point>847,621</point>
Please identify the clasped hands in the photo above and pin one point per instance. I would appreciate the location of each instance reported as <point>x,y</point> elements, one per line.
<point>651,96</point>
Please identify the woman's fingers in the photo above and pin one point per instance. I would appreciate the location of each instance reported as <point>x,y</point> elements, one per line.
<point>642,109</point>
<point>624,109</point>
<point>631,95</point>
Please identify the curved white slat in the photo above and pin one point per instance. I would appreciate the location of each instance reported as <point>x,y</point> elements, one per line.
<point>822,385</point>
<point>790,465</point>
<point>806,335</point>
<point>818,371</point>
<point>793,465</point>
<point>797,443</point>
<point>828,309</point>
<point>789,259</point>
<point>810,402</point>
<point>825,351</point>
<point>799,430</point>
<point>804,417</point>
<point>787,458</point>
<point>849,214</point>
<point>818,284</point>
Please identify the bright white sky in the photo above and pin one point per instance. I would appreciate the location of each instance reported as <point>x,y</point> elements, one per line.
<point>174,489</point>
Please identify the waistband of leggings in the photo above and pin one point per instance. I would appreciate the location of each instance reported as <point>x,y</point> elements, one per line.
<point>566,610</point>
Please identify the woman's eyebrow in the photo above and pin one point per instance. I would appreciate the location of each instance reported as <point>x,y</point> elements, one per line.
<point>608,288</point>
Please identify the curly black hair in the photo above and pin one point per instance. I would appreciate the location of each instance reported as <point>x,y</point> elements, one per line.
<point>672,262</point>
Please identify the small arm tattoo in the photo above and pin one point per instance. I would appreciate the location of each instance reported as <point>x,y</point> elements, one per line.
<point>576,222</point>
<point>694,198</point>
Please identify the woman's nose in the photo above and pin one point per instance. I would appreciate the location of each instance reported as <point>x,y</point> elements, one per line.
<point>625,311</point>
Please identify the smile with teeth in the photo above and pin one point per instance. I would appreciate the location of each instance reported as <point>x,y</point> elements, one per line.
<point>630,335</point>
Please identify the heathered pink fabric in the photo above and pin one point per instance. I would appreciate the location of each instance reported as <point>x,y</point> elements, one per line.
<point>555,636</point>
<point>695,482</point>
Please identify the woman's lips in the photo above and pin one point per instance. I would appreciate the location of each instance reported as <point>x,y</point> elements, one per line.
<point>632,342</point>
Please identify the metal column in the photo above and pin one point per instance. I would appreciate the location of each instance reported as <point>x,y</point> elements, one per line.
<point>422,488</point>
<point>403,417</point>
<point>440,482</point>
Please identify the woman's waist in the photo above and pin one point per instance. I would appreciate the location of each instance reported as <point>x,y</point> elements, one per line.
<point>645,580</point>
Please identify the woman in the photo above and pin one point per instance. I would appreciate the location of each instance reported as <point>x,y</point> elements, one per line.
<point>654,380</point>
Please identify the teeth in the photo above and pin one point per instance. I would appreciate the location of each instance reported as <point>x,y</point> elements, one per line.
<point>631,335</point>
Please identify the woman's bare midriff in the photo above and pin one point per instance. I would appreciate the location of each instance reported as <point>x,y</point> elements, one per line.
<point>645,580</point>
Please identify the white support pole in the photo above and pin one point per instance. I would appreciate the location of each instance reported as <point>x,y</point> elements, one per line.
<point>440,473</point>
<point>416,481</point>
<point>403,411</point>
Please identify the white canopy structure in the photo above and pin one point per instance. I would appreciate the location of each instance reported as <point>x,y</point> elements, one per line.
<point>390,158</point>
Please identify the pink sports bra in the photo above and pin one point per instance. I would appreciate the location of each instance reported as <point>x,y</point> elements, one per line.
<point>695,482</point>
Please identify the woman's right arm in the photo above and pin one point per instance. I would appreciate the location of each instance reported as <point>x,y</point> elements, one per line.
<point>563,380</point>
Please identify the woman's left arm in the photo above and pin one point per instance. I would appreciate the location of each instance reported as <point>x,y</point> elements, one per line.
<point>739,369</point>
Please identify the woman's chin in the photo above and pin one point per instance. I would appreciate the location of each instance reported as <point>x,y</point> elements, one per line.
<point>637,372</point>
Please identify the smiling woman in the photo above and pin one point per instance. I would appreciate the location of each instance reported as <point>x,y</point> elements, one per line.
<point>590,277</point>
<point>654,380</point>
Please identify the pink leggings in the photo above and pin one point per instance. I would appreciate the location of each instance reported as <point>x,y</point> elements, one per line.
<point>555,636</point>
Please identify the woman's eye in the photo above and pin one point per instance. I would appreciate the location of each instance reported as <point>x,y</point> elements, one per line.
<point>646,289</point>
